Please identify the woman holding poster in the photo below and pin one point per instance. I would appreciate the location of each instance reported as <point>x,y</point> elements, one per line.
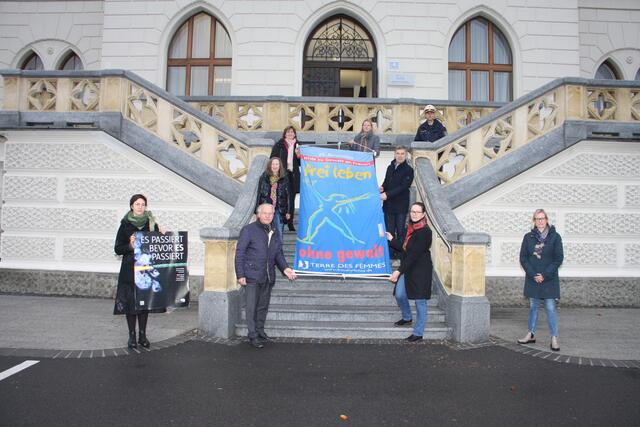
<point>137,219</point>
<point>413,277</point>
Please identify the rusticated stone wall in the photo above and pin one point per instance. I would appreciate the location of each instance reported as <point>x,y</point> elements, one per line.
<point>64,193</point>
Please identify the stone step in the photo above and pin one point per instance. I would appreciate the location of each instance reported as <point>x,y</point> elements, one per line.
<point>386,314</point>
<point>345,330</point>
<point>334,297</point>
<point>321,283</point>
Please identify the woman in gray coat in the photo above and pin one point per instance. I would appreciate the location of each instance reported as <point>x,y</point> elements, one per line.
<point>366,140</point>
<point>541,255</point>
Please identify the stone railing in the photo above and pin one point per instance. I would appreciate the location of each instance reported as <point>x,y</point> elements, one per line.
<point>529,117</point>
<point>315,114</point>
<point>147,106</point>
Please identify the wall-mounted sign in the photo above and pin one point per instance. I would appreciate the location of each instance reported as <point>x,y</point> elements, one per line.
<point>401,79</point>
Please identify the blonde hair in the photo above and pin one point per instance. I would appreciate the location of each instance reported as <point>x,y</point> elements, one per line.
<point>539,211</point>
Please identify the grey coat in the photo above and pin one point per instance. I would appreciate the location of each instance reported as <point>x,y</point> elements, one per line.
<point>548,264</point>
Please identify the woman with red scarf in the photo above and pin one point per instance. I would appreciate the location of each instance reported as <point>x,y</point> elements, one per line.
<point>413,277</point>
<point>288,151</point>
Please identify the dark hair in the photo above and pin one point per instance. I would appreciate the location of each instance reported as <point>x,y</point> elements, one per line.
<point>284,132</point>
<point>136,197</point>
<point>422,206</point>
<point>268,168</point>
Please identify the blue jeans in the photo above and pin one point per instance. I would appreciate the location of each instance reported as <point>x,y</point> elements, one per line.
<point>277,223</point>
<point>396,224</point>
<point>405,308</point>
<point>549,308</point>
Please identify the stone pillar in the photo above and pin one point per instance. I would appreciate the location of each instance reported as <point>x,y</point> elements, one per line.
<point>219,304</point>
<point>468,309</point>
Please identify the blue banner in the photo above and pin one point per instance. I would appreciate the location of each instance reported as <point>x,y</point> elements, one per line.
<point>341,225</point>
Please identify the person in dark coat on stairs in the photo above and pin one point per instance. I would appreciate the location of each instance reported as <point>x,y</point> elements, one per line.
<point>413,277</point>
<point>287,150</point>
<point>431,129</point>
<point>395,194</point>
<point>274,188</point>
<point>541,255</point>
<point>137,219</point>
<point>258,252</point>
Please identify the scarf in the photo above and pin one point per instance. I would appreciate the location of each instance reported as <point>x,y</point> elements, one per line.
<point>290,150</point>
<point>140,221</point>
<point>273,180</point>
<point>541,237</point>
<point>411,227</point>
<point>363,142</point>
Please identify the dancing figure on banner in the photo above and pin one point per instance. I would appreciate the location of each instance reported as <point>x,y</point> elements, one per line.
<point>329,211</point>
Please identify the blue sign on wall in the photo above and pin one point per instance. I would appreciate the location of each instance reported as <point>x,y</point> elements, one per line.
<point>341,225</point>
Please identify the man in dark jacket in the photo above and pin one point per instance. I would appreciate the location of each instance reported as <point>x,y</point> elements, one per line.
<point>258,252</point>
<point>395,194</point>
<point>432,129</point>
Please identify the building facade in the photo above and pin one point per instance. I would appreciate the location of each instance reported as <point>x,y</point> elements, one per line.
<point>494,50</point>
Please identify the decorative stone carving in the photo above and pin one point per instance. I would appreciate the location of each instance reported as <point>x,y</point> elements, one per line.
<point>632,195</point>
<point>594,223</point>
<point>238,152</point>
<point>186,131</point>
<point>497,138</point>
<point>542,115</point>
<point>501,222</point>
<point>302,117</point>
<point>598,165</point>
<point>42,94</point>
<point>27,248</point>
<point>452,161</point>
<point>635,104</point>
<point>60,219</point>
<point>142,107</point>
<point>30,187</point>
<point>85,95</point>
<point>601,103</point>
<point>119,190</point>
<point>632,254</point>
<point>341,114</point>
<point>381,117</point>
<point>213,110</point>
<point>573,194</point>
<point>191,221</point>
<point>88,249</point>
<point>66,157</point>
<point>250,117</point>
<point>575,253</point>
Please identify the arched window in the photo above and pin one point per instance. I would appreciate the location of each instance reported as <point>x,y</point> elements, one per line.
<point>480,63</point>
<point>606,71</point>
<point>32,62</point>
<point>71,62</point>
<point>200,58</point>
<point>340,60</point>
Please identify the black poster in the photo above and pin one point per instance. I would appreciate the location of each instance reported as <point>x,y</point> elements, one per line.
<point>160,270</point>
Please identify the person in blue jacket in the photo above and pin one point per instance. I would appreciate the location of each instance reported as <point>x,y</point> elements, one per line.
<point>541,255</point>
<point>258,252</point>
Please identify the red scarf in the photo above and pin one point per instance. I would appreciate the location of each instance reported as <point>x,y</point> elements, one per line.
<point>411,227</point>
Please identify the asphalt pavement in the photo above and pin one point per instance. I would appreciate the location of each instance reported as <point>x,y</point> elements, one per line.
<point>207,382</point>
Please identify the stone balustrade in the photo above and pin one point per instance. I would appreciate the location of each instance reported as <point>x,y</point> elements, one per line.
<point>149,107</point>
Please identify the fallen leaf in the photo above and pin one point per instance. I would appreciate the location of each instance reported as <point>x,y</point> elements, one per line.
<point>344,417</point>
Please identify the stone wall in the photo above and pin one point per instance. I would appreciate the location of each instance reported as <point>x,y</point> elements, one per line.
<point>66,191</point>
<point>591,193</point>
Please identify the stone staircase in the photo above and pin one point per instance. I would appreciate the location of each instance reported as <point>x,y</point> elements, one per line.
<point>325,307</point>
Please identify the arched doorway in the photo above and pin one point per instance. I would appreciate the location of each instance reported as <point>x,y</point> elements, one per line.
<point>340,60</point>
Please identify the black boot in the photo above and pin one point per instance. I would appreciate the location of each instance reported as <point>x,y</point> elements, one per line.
<point>142,339</point>
<point>132,340</point>
<point>291,227</point>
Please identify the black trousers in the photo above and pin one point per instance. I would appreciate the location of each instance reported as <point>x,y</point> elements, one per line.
<point>257,306</point>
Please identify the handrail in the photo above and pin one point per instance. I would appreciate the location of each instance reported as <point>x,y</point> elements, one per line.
<point>146,105</point>
<point>527,118</point>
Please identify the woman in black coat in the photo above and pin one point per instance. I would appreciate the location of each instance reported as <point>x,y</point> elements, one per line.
<point>541,255</point>
<point>273,188</point>
<point>288,151</point>
<point>413,277</point>
<point>137,219</point>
